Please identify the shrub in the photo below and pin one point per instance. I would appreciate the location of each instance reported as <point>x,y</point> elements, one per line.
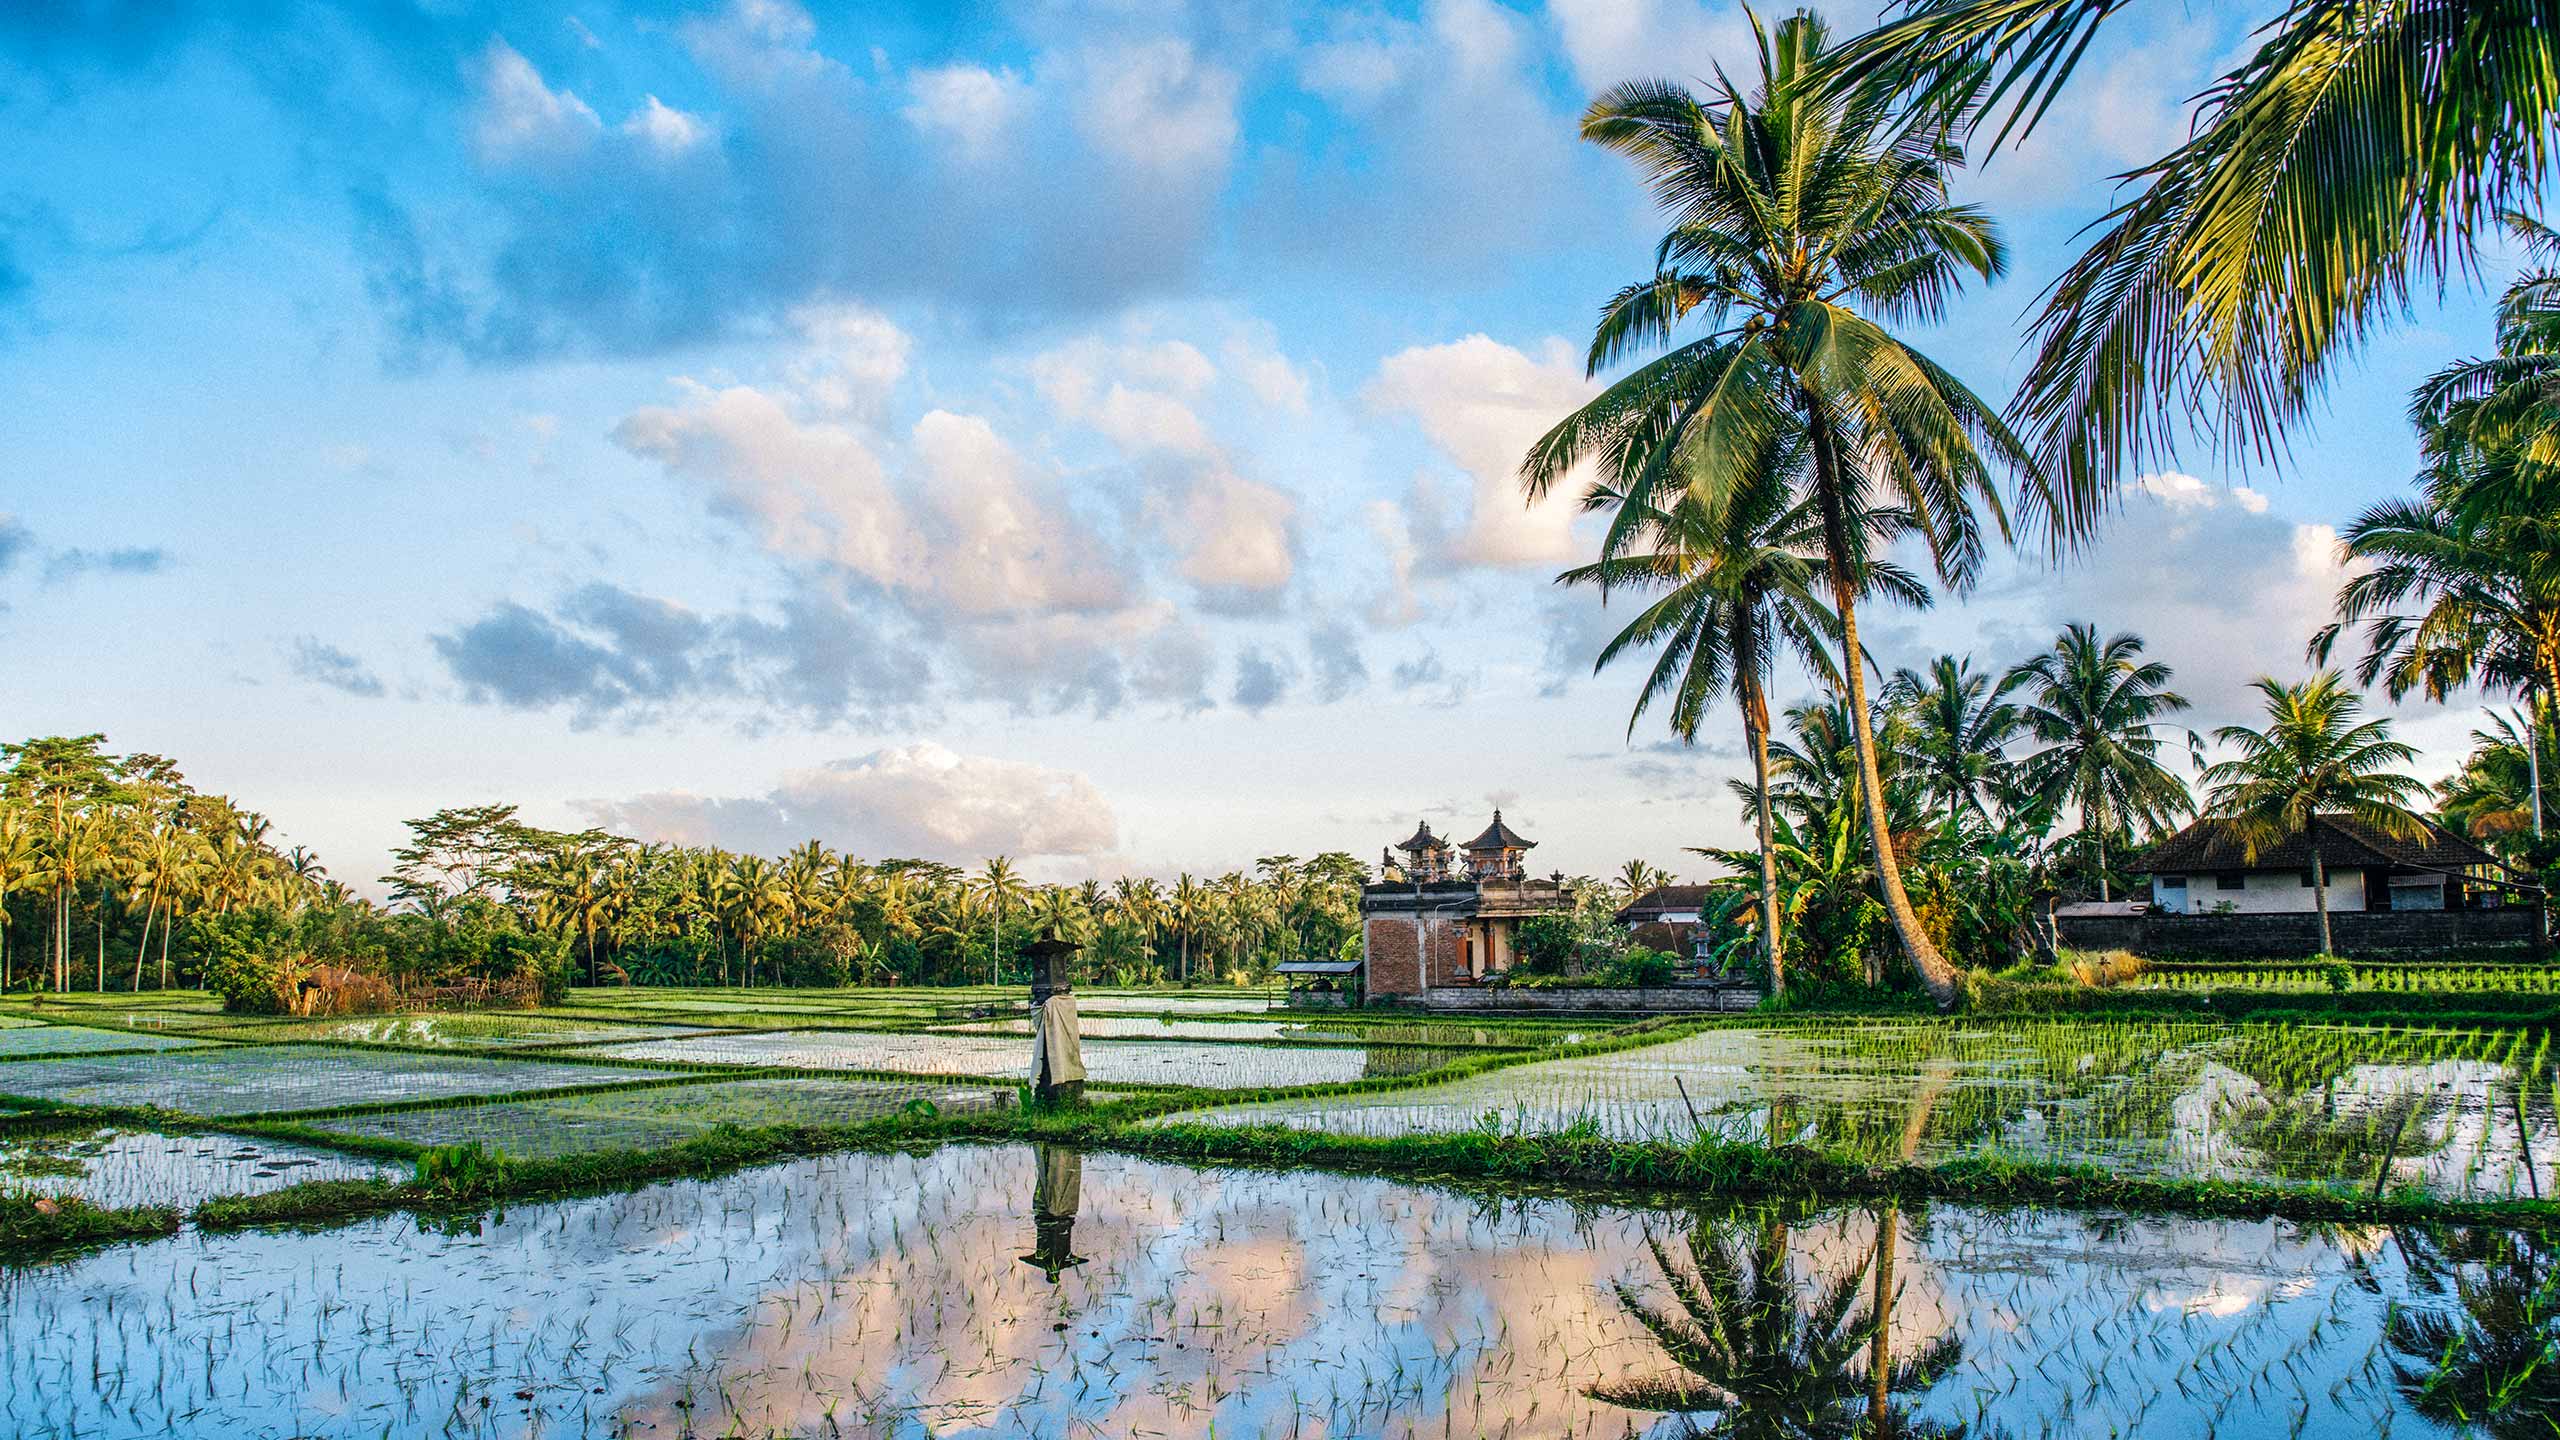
<point>2336,974</point>
<point>1546,944</point>
<point>247,956</point>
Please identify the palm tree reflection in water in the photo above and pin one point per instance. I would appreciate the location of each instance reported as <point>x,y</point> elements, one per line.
<point>2489,1364</point>
<point>1760,1355</point>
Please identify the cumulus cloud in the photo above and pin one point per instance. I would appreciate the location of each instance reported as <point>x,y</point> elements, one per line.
<point>1238,538</point>
<point>664,128</point>
<point>1428,678</point>
<point>1609,41</point>
<point>324,664</point>
<point>607,653</point>
<point>1084,182</point>
<point>1483,404</point>
<point>973,108</point>
<point>1340,670</point>
<point>1457,151</point>
<point>2216,582</point>
<point>72,564</point>
<point>1263,679</point>
<point>920,801</point>
<point>520,117</point>
<point>1159,107</point>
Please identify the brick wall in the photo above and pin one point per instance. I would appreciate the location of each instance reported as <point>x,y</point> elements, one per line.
<point>1394,959</point>
<point>2358,932</point>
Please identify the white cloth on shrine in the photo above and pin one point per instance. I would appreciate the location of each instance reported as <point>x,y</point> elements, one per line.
<point>1057,1043</point>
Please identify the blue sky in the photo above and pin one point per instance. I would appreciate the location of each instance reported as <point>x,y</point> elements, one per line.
<point>1080,432</point>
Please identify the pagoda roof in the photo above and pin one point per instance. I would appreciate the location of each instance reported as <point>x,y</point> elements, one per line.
<point>1498,836</point>
<point>1423,840</point>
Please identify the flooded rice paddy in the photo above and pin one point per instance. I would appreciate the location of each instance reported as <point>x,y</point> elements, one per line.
<point>1134,1062</point>
<point>649,1116</point>
<point>2461,1113</point>
<point>228,1080</point>
<point>42,1039</point>
<point>1024,1291</point>
<point>115,1166</point>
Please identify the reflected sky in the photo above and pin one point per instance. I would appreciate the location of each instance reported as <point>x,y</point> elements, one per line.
<point>888,1295</point>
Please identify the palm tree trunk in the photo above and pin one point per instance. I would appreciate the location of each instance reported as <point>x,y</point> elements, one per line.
<point>102,937</point>
<point>170,924</point>
<point>1936,975</point>
<point>2320,894</point>
<point>1755,726</point>
<point>1880,1347</point>
<point>142,947</point>
<point>2098,844</point>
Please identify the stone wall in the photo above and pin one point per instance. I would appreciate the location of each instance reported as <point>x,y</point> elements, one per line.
<point>1629,999</point>
<point>2290,937</point>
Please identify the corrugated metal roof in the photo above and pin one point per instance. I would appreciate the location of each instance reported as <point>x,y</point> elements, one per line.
<point>2209,845</point>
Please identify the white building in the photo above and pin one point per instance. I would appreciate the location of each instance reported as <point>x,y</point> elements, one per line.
<point>2208,869</point>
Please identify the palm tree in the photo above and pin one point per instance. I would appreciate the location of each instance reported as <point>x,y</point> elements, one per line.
<point>999,889</point>
<point>1192,903</point>
<point>1796,216</point>
<point>2314,759</point>
<point>22,870</point>
<point>2347,162</point>
<point>1636,877</point>
<point>1736,590</point>
<point>2498,794</point>
<point>1961,731</point>
<point>2095,709</point>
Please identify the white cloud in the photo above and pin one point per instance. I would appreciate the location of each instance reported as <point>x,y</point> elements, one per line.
<point>808,491</point>
<point>2218,586</point>
<point>1266,372</point>
<point>966,531</point>
<point>971,107</point>
<point>857,355</point>
<point>921,800</point>
<point>521,117</point>
<point>1608,41</point>
<point>999,545</point>
<point>1158,107</point>
<point>663,128</point>
<point>1483,403</point>
<point>1233,533</point>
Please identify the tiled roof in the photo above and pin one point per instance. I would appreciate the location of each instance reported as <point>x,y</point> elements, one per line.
<point>1498,836</point>
<point>1662,900</point>
<point>2217,845</point>
<point>1423,840</point>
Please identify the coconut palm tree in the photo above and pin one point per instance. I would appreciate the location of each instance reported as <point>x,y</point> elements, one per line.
<point>22,871</point>
<point>2498,795</point>
<point>1737,589</point>
<point>999,889</point>
<point>1190,909</point>
<point>1961,729</point>
<point>2347,162</point>
<point>2316,758</point>
<point>1800,220</point>
<point>2095,709</point>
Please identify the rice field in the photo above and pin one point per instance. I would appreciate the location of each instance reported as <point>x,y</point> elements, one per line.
<point>1016,1290</point>
<point>1132,1062</point>
<point>647,1117</point>
<point>117,1166</point>
<point>234,1080</point>
<point>2461,1113</point>
<point>28,1041</point>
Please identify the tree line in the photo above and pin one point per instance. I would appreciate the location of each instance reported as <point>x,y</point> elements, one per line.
<point>116,873</point>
